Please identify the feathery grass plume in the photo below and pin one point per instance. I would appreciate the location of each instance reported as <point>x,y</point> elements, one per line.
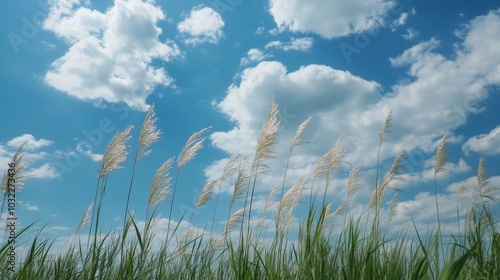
<point>328,165</point>
<point>266,143</point>
<point>442,155</point>
<point>229,170</point>
<point>393,174</point>
<point>183,240</point>
<point>393,205</point>
<point>290,200</point>
<point>298,138</point>
<point>240,185</point>
<point>385,127</point>
<point>268,138</point>
<point>270,197</point>
<point>486,191</point>
<point>330,161</point>
<point>85,218</point>
<point>193,145</point>
<point>115,153</point>
<point>206,194</point>
<point>149,134</point>
<point>235,219</point>
<point>292,197</point>
<point>19,165</point>
<point>460,197</point>
<point>329,217</point>
<point>353,184</point>
<point>160,186</point>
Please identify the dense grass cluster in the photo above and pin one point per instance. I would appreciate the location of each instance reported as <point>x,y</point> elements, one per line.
<point>331,243</point>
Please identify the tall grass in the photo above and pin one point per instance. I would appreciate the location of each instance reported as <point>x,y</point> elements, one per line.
<point>339,243</point>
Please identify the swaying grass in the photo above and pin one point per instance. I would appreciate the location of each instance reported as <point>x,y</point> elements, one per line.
<point>330,244</point>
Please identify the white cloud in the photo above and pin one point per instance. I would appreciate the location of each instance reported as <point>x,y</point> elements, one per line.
<point>330,19</point>
<point>84,149</point>
<point>253,55</point>
<point>427,175</point>
<point>410,34</point>
<point>399,21</point>
<point>202,25</point>
<point>260,30</point>
<point>31,142</point>
<point>438,96</point>
<point>488,143</point>
<point>110,54</point>
<point>32,207</point>
<point>46,171</point>
<point>301,44</point>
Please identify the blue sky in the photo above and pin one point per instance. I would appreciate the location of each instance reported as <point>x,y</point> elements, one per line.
<point>75,72</point>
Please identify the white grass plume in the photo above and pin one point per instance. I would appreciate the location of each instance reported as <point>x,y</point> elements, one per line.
<point>268,138</point>
<point>442,155</point>
<point>115,153</point>
<point>234,220</point>
<point>393,206</point>
<point>270,197</point>
<point>290,200</point>
<point>292,197</point>
<point>486,191</point>
<point>240,185</point>
<point>85,218</point>
<point>298,138</point>
<point>330,161</point>
<point>385,127</point>
<point>353,184</point>
<point>149,134</point>
<point>193,145</point>
<point>19,166</point>
<point>206,193</point>
<point>160,186</point>
<point>393,174</point>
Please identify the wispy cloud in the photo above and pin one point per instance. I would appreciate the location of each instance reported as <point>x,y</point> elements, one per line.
<point>296,44</point>
<point>253,56</point>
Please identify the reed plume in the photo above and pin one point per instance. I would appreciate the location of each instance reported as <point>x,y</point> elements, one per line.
<point>115,153</point>
<point>85,218</point>
<point>206,194</point>
<point>442,155</point>
<point>192,146</point>
<point>160,186</point>
<point>148,135</point>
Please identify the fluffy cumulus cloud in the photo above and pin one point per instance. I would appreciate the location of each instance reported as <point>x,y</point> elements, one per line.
<point>330,19</point>
<point>29,142</point>
<point>202,25</point>
<point>488,143</point>
<point>438,95</point>
<point>111,54</point>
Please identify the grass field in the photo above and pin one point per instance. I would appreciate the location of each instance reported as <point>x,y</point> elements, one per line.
<point>331,243</point>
